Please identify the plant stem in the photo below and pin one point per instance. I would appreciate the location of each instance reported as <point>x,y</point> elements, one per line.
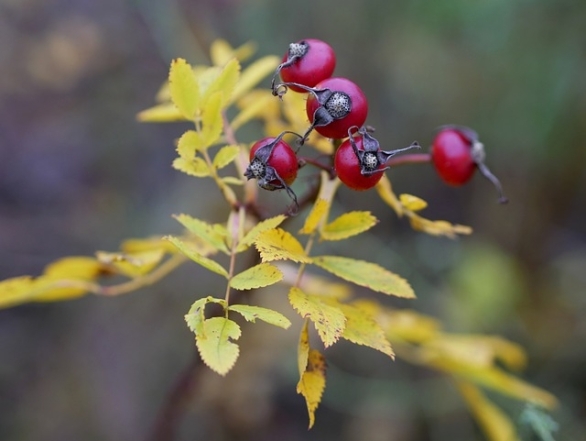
<point>413,158</point>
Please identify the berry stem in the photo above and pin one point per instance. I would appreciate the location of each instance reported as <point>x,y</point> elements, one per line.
<point>413,158</point>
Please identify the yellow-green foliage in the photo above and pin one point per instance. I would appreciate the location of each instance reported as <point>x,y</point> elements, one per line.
<point>202,95</point>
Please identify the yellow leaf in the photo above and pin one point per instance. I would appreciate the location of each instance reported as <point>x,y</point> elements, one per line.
<point>329,320</point>
<point>190,143</point>
<point>225,156</point>
<point>278,244</point>
<point>405,324</point>
<point>213,235</point>
<point>487,376</point>
<point>254,74</point>
<point>362,329</point>
<point>412,203</point>
<point>365,274</point>
<point>438,227</point>
<point>256,104</point>
<point>156,243</point>
<point>192,252</point>
<point>215,344</point>
<point>258,276</point>
<point>385,192</point>
<point>212,120</point>
<point>313,383</point>
<point>132,264</point>
<point>251,313</point>
<point>52,286</point>
<point>195,317</point>
<point>267,224</point>
<point>184,88</point>
<point>348,225</point>
<point>221,52</point>
<point>480,350</point>
<point>166,112</point>
<point>15,291</point>
<point>224,84</point>
<point>81,267</point>
<point>303,348</point>
<point>494,422</point>
<point>317,213</point>
<point>194,167</point>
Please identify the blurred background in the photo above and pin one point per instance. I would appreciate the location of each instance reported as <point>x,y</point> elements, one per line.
<point>79,174</point>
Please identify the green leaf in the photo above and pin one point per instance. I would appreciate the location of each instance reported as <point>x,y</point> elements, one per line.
<point>319,210</point>
<point>192,253</point>
<point>348,225</point>
<point>267,224</point>
<point>184,88</point>
<point>214,235</point>
<point>329,321</point>
<point>194,167</point>
<point>278,244</point>
<point>362,329</point>
<point>366,274</point>
<point>251,313</point>
<point>258,276</point>
<point>215,344</point>
<point>254,74</point>
<point>225,156</point>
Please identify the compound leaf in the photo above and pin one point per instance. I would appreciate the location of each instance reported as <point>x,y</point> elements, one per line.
<point>258,276</point>
<point>267,224</point>
<point>184,88</point>
<point>366,274</point>
<point>251,313</point>
<point>225,156</point>
<point>329,320</point>
<point>213,235</point>
<point>193,253</point>
<point>348,225</point>
<point>215,344</point>
<point>313,382</point>
<point>278,244</point>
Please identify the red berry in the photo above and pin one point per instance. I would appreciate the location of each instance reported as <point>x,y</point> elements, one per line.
<point>350,170</point>
<point>456,153</point>
<point>273,163</point>
<point>307,62</point>
<point>452,156</point>
<point>335,105</point>
<point>360,162</point>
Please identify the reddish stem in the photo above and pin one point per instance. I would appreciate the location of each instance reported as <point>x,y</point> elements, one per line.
<point>413,158</point>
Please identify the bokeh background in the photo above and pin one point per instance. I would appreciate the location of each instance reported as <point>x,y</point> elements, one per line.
<point>79,174</point>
